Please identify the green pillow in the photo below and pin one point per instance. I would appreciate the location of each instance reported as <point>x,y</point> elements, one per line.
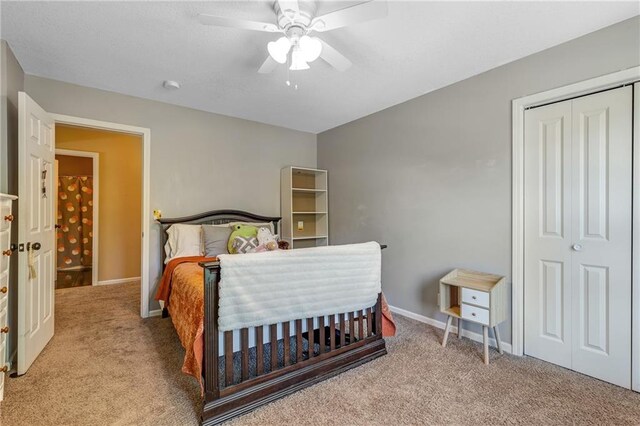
<point>245,231</point>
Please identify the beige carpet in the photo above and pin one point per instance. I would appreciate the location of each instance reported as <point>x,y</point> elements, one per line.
<point>106,366</point>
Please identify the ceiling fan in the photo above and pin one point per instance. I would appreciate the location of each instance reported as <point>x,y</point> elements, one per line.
<point>296,19</point>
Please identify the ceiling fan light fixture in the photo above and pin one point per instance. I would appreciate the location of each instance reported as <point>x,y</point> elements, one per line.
<point>310,47</point>
<point>279,49</point>
<point>298,62</point>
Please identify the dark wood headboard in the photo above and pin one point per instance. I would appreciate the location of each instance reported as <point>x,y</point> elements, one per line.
<point>214,217</point>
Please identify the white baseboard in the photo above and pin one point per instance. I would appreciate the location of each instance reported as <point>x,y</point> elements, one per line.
<point>506,347</point>
<point>155,313</point>
<point>118,281</point>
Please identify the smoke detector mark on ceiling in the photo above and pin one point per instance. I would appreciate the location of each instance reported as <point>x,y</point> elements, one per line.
<point>171,85</point>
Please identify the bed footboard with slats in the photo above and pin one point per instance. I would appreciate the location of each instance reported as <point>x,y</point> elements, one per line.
<point>311,350</point>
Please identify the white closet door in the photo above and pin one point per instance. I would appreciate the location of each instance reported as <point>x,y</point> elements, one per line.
<point>601,229</point>
<point>578,177</point>
<point>547,207</point>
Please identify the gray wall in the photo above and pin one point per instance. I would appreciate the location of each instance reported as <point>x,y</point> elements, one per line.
<point>199,161</point>
<point>11,82</point>
<point>431,177</point>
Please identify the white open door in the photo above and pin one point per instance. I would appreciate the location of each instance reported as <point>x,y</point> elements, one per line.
<point>36,232</point>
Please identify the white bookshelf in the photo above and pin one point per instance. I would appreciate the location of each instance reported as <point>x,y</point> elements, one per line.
<point>304,201</point>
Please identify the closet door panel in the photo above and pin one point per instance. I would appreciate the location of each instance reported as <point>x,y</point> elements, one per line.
<point>548,233</point>
<point>601,235</point>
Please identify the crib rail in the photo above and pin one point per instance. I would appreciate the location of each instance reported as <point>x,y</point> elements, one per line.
<point>299,352</point>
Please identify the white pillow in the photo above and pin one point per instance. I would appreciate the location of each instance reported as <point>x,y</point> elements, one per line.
<point>184,240</point>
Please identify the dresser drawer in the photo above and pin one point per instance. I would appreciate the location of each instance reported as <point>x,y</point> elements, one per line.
<point>475,297</point>
<point>5,210</point>
<point>475,314</point>
<point>5,244</point>
<point>2,375</point>
<point>4,285</point>
<point>3,336</point>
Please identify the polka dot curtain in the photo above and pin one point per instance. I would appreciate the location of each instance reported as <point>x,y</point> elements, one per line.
<point>75,217</point>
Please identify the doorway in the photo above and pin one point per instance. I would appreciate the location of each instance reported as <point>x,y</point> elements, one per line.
<point>77,223</point>
<point>37,217</point>
<point>116,258</point>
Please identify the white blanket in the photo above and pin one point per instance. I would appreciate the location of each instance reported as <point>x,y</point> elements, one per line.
<point>284,285</point>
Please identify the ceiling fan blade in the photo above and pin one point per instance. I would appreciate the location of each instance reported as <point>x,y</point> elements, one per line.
<point>374,9</point>
<point>268,66</point>
<point>237,23</point>
<point>289,8</point>
<point>333,57</point>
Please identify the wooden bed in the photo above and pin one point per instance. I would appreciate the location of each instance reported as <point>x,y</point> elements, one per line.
<point>335,343</point>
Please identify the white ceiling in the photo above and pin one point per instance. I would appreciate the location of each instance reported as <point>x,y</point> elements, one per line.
<point>132,48</point>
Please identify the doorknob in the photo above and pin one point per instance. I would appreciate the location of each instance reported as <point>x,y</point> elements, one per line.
<point>36,246</point>
<point>577,247</point>
<point>4,330</point>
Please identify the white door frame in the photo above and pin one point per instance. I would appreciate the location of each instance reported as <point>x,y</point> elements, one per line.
<point>96,204</point>
<point>145,134</point>
<point>518,244</point>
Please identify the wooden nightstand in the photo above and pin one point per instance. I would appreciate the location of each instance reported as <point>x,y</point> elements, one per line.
<point>477,297</point>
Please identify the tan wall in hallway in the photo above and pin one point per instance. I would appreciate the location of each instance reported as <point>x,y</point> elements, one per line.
<point>120,196</point>
<point>74,166</point>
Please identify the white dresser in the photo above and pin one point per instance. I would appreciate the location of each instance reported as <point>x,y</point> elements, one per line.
<point>6,218</point>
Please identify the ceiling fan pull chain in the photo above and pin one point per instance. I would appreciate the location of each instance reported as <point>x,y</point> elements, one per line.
<point>290,83</point>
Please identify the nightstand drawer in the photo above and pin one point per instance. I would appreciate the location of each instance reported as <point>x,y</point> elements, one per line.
<point>475,297</point>
<point>475,314</point>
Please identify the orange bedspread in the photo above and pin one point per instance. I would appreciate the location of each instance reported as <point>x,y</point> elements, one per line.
<point>182,290</point>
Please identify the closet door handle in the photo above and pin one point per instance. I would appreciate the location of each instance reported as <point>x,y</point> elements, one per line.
<point>577,247</point>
